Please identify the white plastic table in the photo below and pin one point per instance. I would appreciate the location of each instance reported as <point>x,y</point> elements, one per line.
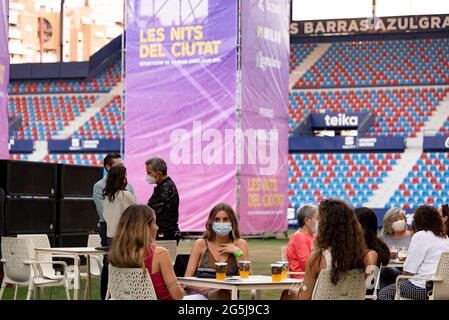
<point>235,284</point>
<point>76,252</point>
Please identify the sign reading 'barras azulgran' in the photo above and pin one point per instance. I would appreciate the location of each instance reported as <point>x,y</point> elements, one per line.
<point>370,25</point>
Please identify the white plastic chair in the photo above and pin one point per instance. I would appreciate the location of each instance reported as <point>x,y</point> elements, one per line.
<point>41,241</point>
<point>130,284</point>
<point>351,286</point>
<point>171,246</point>
<point>376,277</point>
<point>20,271</point>
<point>47,270</point>
<point>440,290</point>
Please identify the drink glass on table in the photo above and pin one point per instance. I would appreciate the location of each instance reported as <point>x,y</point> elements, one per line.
<point>393,253</point>
<point>284,271</point>
<point>220,274</point>
<point>244,267</point>
<point>402,254</point>
<point>276,270</point>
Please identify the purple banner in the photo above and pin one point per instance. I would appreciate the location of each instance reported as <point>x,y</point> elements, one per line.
<point>265,69</point>
<point>181,100</point>
<point>4,79</point>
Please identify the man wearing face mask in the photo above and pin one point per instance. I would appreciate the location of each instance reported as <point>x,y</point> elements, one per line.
<point>164,201</point>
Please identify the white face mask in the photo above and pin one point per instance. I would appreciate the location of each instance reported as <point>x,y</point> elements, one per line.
<point>398,226</point>
<point>150,179</point>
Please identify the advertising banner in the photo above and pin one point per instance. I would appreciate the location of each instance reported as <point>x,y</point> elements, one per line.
<point>264,119</point>
<point>181,62</point>
<point>4,79</point>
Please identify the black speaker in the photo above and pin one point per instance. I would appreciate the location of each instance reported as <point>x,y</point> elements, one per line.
<point>2,212</point>
<point>78,181</point>
<point>28,178</point>
<point>77,215</point>
<point>78,239</point>
<point>30,215</point>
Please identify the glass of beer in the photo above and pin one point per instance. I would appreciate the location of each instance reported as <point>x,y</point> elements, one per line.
<point>276,270</point>
<point>284,271</point>
<point>244,268</point>
<point>402,254</point>
<point>220,275</point>
<point>393,253</point>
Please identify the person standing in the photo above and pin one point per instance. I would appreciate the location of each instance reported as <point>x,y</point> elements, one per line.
<point>164,200</point>
<point>116,199</point>
<point>111,160</point>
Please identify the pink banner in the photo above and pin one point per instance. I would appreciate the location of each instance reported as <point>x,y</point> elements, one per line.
<point>264,116</point>
<point>4,79</point>
<point>181,63</point>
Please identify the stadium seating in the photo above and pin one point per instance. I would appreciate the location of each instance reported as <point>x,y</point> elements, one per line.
<point>76,158</point>
<point>352,177</point>
<point>380,63</point>
<point>428,182</point>
<point>106,124</point>
<point>44,116</point>
<point>444,130</point>
<point>19,156</point>
<point>399,112</point>
<point>102,82</point>
<point>298,52</point>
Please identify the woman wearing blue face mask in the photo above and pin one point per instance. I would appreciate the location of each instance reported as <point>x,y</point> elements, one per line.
<point>221,243</point>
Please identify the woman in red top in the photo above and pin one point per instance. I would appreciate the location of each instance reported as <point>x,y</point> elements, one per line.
<point>300,243</point>
<point>134,246</point>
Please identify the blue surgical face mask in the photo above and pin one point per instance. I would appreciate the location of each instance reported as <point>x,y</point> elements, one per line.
<point>222,229</point>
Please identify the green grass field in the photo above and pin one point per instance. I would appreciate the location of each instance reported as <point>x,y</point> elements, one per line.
<point>262,252</point>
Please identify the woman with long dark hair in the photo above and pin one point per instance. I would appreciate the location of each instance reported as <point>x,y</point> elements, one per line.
<point>424,252</point>
<point>115,199</point>
<point>378,251</point>
<point>377,248</point>
<point>339,245</point>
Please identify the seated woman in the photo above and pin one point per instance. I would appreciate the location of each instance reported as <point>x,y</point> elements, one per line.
<point>378,251</point>
<point>220,243</point>
<point>300,243</point>
<point>340,245</point>
<point>394,231</point>
<point>428,242</point>
<point>134,246</point>
<point>396,236</point>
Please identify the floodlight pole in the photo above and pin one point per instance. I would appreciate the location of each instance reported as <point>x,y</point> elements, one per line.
<point>61,32</point>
